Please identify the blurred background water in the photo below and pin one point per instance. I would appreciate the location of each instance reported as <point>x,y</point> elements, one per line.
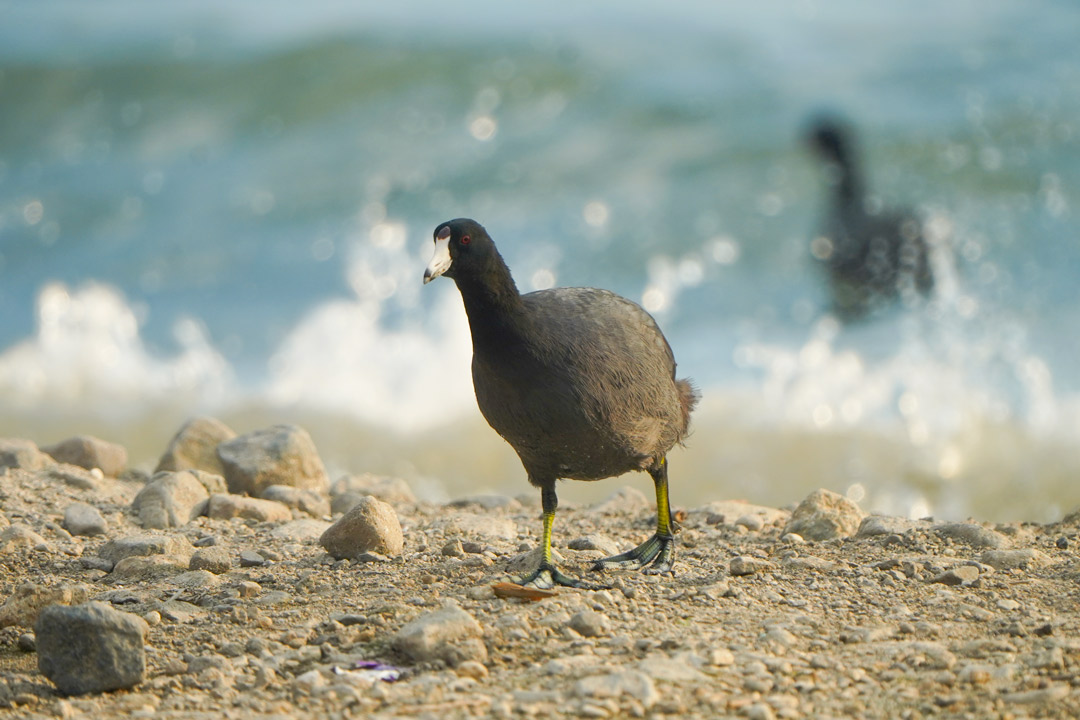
<point>226,208</point>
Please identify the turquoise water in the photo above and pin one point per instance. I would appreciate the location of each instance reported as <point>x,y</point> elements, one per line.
<point>229,209</point>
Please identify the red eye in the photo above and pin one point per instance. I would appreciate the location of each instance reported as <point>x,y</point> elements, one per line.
<point>465,239</point>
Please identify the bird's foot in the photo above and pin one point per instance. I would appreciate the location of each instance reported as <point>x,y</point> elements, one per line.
<point>656,555</point>
<point>548,576</point>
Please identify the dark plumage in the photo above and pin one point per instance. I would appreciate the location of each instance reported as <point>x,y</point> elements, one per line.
<point>871,258</point>
<point>579,381</point>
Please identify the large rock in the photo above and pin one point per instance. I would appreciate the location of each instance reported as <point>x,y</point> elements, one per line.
<point>19,453</point>
<point>225,507</point>
<point>370,526</point>
<point>194,447</point>
<point>449,634</point>
<point>279,455</point>
<point>170,499</point>
<point>90,452</point>
<point>824,515</point>
<point>90,648</point>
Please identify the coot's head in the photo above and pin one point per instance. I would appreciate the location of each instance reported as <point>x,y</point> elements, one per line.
<point>462,248</point>
<point>831,139</point>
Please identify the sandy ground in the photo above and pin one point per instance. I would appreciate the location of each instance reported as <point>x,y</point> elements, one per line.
<point>907,619</point>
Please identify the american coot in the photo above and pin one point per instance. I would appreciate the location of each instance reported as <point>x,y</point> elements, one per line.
<point>580,382</point>
<point>871,258</point>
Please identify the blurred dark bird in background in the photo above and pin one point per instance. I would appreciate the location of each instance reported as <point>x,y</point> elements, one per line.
<point>872,257</point>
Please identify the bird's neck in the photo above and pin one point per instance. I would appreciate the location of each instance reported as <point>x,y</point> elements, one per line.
<point>848,182</point>
<point>493,306</point>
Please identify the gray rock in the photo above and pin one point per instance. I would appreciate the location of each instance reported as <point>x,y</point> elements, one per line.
<point>634,683</point>
<point>312,502</point>
<point>302,530</point>
<point>1013,559</point>
<point>824,515</point>
<point>391,490</point>
<point>91,648</point>
<point>752,523</point>
<point>371,526</point>
<point>959,575</point>
<point>170,499</point>
<point>24,454</point>
<point>250,558</point>
<point>746,565</point>
<point>83,519</point>
<point>626,499</point>
<point>145,545</point>
<point>1037,697</point>
<point>212,559</point>
<point>590,623</point>
<point>529,560</point>
<point>449,634</point>
<point>194,447</point>
<point>279,455</point>
<point>90,452</point>
<point>225,507</point>
<point>972,534</point>
<point>22,607</point>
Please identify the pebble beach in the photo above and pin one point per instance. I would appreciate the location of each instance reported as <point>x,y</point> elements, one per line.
<point>239,580</point>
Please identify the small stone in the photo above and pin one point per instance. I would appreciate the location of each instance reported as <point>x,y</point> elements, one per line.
<point>248,588</point>
<point>149,567</point>
<point>721,657</point>
<point>793,538</point>
<point>90,452</point>
<point>875,525</point>
<point>753,523</point>
<point>449,634</point>
<point>279,455</point>
<point>959,575</point>
<point>212,559</point>
<point>824,515</point>
<point>1008,605</point>
<point>250,558</point>
<point>152,618</point>
<point>453,548</point>
<point>727,511</point>
<point>91,648</point>
<point>27,642</point>
<point>85,520</point>
<point>1062,543</point>
<point>747,565</point>
<point>371,526</point>
<point>589,623</point>
<point>194,447</point>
